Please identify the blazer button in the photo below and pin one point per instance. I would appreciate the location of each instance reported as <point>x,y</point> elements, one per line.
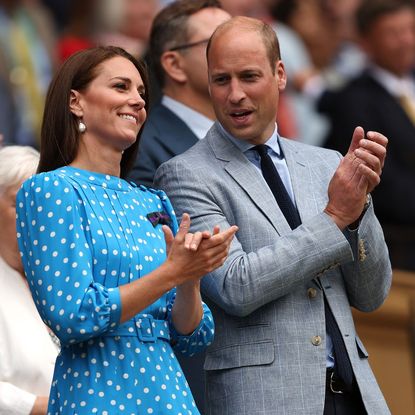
<point>316,340</point>
<point>311,292</point>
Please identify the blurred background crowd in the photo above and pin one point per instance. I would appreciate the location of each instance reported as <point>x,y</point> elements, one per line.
<point>346,66</point>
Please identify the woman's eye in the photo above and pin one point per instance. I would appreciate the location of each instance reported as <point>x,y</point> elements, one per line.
<point>121,86</point>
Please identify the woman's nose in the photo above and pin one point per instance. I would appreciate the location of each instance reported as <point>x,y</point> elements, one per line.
<point>137,100</point>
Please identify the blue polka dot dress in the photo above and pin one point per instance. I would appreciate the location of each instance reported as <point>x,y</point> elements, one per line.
<point>81,236</point>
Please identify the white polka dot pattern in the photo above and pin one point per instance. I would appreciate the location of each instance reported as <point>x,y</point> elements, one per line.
<point>81,236</point>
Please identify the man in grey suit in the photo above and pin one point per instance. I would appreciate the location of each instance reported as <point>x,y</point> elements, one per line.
<point>275,352</point>
<point>178,40</point>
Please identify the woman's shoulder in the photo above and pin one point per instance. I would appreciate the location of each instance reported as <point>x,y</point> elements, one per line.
<point>150,191</point>
<point>58,175</point>
<point>46,184</point>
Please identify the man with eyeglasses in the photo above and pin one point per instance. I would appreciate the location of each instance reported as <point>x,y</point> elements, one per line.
<point>177,53</point>
<point>182,117</point>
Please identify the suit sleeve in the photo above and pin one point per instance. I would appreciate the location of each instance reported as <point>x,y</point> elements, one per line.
<point>251,279</point>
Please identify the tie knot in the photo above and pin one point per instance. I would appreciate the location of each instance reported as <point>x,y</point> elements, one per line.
<point>261,149</point>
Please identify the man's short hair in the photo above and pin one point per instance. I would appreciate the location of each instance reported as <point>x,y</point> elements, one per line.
<point>170,29</point>
<point>267,33</point>
<point>370,10</point>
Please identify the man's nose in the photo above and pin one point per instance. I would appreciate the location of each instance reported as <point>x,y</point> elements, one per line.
<point>236,93</point>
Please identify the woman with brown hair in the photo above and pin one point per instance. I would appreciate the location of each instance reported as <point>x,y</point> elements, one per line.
<point>99,252</point>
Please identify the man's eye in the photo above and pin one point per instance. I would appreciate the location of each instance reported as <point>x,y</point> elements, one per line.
<point>220,81</point>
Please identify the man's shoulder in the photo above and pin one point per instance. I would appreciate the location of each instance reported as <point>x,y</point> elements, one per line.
<point>358,93</point>
<point>200,154</point>
<point>306,150</point>
<point>198,151</point>
<point>159,113</point>
<point>362,85</point>
<point>164,128</point>
<point>165,122</point>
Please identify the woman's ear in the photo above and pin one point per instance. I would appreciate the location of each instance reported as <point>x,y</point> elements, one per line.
<point>75,104</point>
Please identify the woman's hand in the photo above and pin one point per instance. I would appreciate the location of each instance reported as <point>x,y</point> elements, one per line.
<point>190,256</point>
<point>193,255</point>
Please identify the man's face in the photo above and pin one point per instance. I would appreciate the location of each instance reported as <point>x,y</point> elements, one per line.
<point>391,41</point>
<point>244,90</point>
<point>201,25</point>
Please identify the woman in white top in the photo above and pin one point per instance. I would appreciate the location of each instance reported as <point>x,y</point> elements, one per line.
<point>27,350</point>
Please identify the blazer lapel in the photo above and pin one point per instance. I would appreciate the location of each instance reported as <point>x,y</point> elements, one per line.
<point>306,189</point>
<point>248,178</point>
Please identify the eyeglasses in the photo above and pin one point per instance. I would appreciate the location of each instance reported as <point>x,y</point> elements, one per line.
<point>189,45</point>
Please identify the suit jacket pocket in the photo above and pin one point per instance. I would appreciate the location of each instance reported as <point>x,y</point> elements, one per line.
<point>239,355</point>
<point>361,349</point>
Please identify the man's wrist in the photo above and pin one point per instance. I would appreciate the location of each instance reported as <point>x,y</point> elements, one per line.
<point>353,226</point>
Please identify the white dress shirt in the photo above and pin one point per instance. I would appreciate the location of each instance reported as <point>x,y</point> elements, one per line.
<point>27,352</point>
<point>396,86</point>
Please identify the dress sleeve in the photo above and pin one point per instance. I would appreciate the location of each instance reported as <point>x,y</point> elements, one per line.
<point>202,336</point>
<point>197,341</point>
<point>58,262</point>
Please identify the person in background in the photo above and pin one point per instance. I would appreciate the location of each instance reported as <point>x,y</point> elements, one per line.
<point>178,40</point>
<point>382,98</point>
<point>251,8</point>
<point>100,255</point>
<point>80,30</point>
<point>27,350</point>
<point>27,62</point>
<point>128,24</point>
<point>184,114</point>
<point>308,248</point>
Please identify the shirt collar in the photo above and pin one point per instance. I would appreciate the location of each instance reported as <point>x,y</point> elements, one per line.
<point>196,121</point>
<point>273,142</point>
<point>395,85</point>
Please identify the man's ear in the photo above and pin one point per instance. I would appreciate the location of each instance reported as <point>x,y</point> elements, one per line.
<point>173,66</point>
<point>280,75</point>
<point>75,103</point>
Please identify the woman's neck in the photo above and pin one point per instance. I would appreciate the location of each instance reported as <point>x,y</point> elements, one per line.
<point>98,159</point>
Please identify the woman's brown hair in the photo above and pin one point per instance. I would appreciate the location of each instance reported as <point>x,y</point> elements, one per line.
<point>60,135</point>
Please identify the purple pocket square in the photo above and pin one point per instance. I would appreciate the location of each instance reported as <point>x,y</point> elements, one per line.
<point>159,217</point>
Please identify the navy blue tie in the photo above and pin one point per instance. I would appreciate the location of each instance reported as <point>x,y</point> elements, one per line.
<point>343,366</point>
<point>277,187</point>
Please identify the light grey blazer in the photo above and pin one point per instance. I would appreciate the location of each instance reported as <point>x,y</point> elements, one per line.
<point>269,352</point>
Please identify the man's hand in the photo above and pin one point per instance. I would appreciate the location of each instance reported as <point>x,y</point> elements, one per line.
<point>357,174</point>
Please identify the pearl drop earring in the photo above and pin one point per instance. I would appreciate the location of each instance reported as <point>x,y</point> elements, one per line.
<point>81,127</point>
